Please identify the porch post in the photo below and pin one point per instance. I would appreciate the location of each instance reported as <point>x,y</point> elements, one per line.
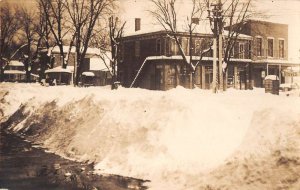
<point>279,73</point>
<point>235,76</point>
<point>202,76</point>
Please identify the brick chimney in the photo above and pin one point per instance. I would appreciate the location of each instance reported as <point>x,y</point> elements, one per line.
<point>137,24</point>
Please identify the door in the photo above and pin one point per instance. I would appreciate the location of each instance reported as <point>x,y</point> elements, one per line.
<point>159,77</point>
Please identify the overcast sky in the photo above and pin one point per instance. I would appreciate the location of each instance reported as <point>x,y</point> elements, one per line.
<point>281,11</point>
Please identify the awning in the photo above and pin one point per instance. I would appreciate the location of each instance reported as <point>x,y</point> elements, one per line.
<point>88,74</point>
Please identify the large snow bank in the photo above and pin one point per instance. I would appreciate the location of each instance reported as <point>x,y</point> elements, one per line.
<point>179,139</point>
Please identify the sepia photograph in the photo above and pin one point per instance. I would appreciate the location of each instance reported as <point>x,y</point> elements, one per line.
<point>149,95</point>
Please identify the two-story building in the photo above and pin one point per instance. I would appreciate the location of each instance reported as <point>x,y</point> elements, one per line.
<point>269,50</point>
<point>151,60</point>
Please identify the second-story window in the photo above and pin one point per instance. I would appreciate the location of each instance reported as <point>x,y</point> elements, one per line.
<point>241,50</point>
<point>197,47</point>
<point>158,46</point>
<point>232,52</point>
<point>270,47</point>
<point>137,48</point>
<point>184,45</point>
<point>173,47</point>
<point>281,48</point>
<point>258,46</point>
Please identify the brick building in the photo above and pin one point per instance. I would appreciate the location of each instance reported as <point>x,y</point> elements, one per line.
<point>151,60</point>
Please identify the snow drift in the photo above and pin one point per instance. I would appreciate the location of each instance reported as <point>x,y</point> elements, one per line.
<point>179,139</point>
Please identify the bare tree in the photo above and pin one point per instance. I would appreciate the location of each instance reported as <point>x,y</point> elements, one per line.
<point>28,20</point>
<point>116,30</point>
<point>54,12</point>
<point>44,39</point>
<point>9,24</point>
<point>236,13</point>
<point>166,13</point>
<point>43,27</point>
<point>84,14</point>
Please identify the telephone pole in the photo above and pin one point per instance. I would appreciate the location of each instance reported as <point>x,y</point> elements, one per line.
<point>215,16</point>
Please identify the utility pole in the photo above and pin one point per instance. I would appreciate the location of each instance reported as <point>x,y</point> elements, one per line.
<point>1,53</point>
<point>216,21</point>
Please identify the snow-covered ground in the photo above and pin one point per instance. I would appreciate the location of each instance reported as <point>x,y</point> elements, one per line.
<point>179,139</point>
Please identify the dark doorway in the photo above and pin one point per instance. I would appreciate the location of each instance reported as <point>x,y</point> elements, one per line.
<point>159,77</point>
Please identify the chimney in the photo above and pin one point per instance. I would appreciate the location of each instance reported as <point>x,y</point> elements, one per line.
<point>137,24</point>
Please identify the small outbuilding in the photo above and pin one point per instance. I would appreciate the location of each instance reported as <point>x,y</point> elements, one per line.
<point>59,75</point>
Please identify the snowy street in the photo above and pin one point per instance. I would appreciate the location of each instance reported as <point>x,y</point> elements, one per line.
<point>26,167</point>
<point>178,139</point>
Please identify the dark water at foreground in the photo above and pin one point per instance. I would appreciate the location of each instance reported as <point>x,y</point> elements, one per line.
<point>27,168</point>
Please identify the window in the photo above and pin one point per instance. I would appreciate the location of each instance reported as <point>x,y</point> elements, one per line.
<point>197,47</point>
<point>158,46</point>
<point>270,47</point>
<point>249,50</point>
<point>173,47</point>
<point>281,48</point>
<point>241,50</point>
<point>231,52</point>
<point>137,48</point>
<point>137,24</point>
<point>258,46</point>
<point>185,45</point>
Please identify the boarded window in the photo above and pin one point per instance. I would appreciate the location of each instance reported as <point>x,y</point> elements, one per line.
<point>270,47</point>
<point>281,48</point>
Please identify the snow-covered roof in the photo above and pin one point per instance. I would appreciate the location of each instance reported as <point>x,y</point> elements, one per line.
<point>14,72</point>
<point>277,61</point>
<point>97,64</point>
<point>179,57</point>
<point>240,36</point>
<point>69,69</point>
<point>16,63</point>
<point>92,51</point>
<point>149,26</point>
<point>88,74</point>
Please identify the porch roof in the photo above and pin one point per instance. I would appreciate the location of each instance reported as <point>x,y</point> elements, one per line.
<point>14,72</point>
<point>195,58</point>
<point>277,62</point>
<point>59,69</point>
